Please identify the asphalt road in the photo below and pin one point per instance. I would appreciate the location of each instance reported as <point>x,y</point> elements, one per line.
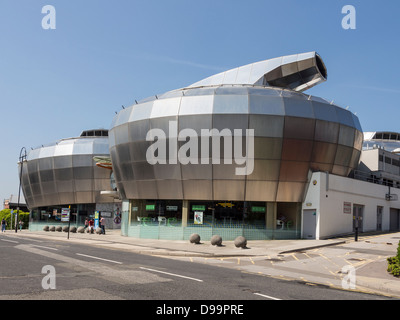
<point>84,272</point>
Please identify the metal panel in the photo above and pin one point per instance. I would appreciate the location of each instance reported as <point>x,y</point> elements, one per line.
<point>265,190</point>
<point>324,111</point>
<point>229,189</point>
<point>230,121</point>
<point>165,107</point>
<point>298,107</point>
<point>345,117</point>
<point>324,152</point>
<point>169,189</point>
<point>137,131</point>
<point>141,111</point>
<point>231,104</point>
<point>346,136</point>
<point>293,171</point>
<point>193,105</point>
<point>143,171</point>
<point>266,125</point>
<point>147,189</point>
<point>267,148</point>
<point>266,104</point>
<point>224,171</point>
<point>343,156</point>
<point>265,170</point>
<point>290,192</point>
<point>197,189</point>
<point>297,150</point>
<point>167,171</point>
<point>299,128</point>
<point>197,171</point>
<point>326,131</point>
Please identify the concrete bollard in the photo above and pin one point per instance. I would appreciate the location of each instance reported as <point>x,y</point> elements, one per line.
<point>46,228</point>
<point>52,228</point>
<point>58,228</point>
<point>194,238</point>
<point>73,229</point>
<point>240,242</point>
<point>216,240</point>
<point>81,230</point>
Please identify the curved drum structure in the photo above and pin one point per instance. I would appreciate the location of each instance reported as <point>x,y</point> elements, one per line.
<point>153,153</point>
<point>64,173</point>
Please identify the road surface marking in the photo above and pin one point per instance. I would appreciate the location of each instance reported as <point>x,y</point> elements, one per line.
<point>10,241</point>
<point>265,296</point>
<point>35,245</point>
<point>172,274</point>
<point>85,255</point>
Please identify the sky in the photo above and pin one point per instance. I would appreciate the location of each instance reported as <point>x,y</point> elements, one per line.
<point>102,54</point>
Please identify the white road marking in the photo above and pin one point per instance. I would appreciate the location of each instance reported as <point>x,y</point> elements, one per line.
<point>171,274</point>
<point>265,296</point>
<point>85,255</point>
<point>49,248</point>
<point>10,241</point>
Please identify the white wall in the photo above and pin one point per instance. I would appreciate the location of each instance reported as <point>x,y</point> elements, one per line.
<point>328,201</point>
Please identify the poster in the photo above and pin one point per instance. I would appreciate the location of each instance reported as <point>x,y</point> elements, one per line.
<point>64,214</point>
<point>198,217</point>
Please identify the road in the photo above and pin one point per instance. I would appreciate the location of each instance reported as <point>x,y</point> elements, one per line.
<point>84,272</point>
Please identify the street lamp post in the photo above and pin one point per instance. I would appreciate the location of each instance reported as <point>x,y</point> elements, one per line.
<point>22,158</point>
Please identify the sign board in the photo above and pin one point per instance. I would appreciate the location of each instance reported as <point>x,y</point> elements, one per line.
<point>96,220</point>
<point>258,209</point>
<point>198,217</point>
<point>150,207</point>
<point>172,208</point>
<point>198,208</point>
<point>347,207</point>
<point>65,214</point>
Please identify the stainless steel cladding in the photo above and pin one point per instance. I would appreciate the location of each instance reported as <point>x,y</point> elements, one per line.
<point>293,135</point>
<point>64,172</point>
<point>297,72</point>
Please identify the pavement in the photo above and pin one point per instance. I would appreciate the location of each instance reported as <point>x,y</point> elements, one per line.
<point>321,261</point>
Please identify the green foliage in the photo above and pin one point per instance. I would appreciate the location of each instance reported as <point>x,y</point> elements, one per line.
<point>394,263</point>
<point>23,216</point>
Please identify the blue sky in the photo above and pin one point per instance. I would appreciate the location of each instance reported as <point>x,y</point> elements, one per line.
<point>104,54</point>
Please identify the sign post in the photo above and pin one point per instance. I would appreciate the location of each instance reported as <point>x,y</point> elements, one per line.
<point>65,216</point>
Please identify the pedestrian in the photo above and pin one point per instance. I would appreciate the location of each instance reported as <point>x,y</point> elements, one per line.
<point>20,225</point>
<point>103,225</point>
<point>86,223</point>
<point>3,225</point>
<point>91,223</point>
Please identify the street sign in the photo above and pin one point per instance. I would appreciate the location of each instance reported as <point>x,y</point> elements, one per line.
<point>65,214</point>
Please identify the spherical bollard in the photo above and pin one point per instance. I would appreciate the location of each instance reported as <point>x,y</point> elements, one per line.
<point>73,229</point>
<point>59,228</point>
<point>240,242</point>
<point>216,240</point>
<point>65,228</point>
<point>81,230</point>
<point>99,231</point>
<point>52,228</point>
<point>46,228</point>
<point>194,238</point>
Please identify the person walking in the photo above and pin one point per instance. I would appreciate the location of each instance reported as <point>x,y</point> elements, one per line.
<point>91,224</point>
<point>103,225</point>
<point>86,223</point>
<point>20,223</point>
<point>3,225</point>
